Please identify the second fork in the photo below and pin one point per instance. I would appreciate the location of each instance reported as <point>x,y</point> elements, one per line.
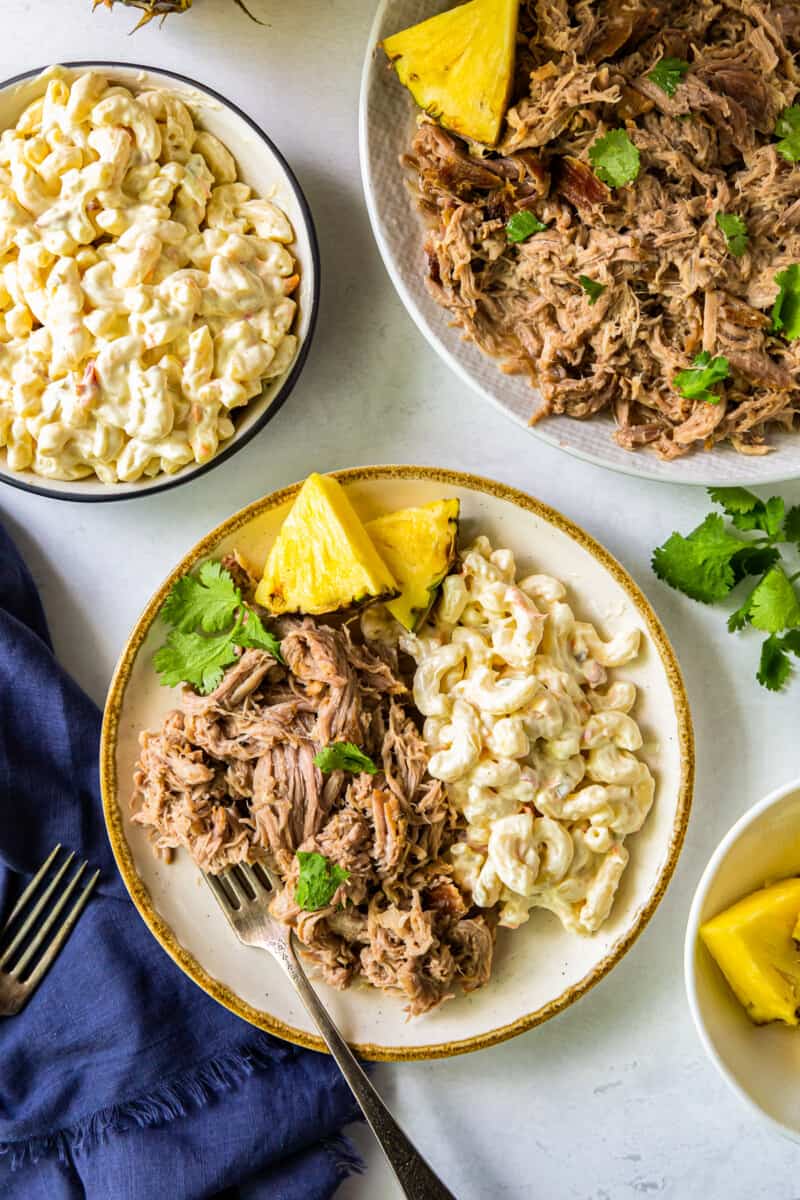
<point>242,893</point>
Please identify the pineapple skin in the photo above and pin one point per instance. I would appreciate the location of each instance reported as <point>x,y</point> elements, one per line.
<point>162,8</point>
<point>459,65</point>
<point>323,560</point>
<point>150,8</point>
<point>753,943</point>
<point>419,547</point>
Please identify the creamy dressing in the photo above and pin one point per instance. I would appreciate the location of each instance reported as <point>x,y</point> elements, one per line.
<point>536,746</point>
<point>144,290</point>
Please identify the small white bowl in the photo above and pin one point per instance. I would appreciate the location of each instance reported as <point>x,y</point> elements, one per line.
<point>263,167</point>
<point>760,1063</point>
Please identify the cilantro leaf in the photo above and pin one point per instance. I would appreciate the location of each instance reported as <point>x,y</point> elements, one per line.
<point>734,499</point>
<point>522,225</point>
<point>615,159</point>
<point>770,604</point>
<point>695,382</point>
<point>766,517</point>
<point>774,605</point>
<point>252,633</point>
<point>791,641</point>
<point>788,128</point>
<point>208,603</point>
<point>753,560</point>
<point>748,512</point>
<point>318,881</point>
<point>786,310</point>
<point>735,232</point>
<point>741,617</point>
<point>593,289</point>
<point>195,659</point>
<point>208,599</point>
<point>668,73</point>
<point>699,565</point>
<point>774,667</point>
<point>750,560</point>
<point>791,524</point>
<point>711,560</point>
<point>344,756</point>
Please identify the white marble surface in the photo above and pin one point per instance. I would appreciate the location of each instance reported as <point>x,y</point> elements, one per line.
<point>613,1099</point>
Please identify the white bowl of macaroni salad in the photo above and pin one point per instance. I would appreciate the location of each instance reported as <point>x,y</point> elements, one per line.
<point>555,714</point>
<point>159,280</point>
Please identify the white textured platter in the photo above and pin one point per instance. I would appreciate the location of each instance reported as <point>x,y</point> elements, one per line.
<point>540,969</point>
<point>263,167</point>
<point>387,116</point>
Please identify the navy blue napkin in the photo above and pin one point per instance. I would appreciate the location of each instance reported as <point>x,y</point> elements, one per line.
<point>121,1080</point>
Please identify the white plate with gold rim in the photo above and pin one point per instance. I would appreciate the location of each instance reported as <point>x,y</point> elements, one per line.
<point>539,969</point>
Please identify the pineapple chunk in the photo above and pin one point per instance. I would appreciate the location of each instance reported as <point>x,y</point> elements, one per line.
<point>753,944</point>
<point>323,559</point>
<point>419,546</point>
<point>459,65</point>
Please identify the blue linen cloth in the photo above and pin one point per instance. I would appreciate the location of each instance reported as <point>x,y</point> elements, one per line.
<point>122,1080</point>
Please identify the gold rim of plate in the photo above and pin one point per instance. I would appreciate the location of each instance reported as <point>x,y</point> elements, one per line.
<point>165,935</point>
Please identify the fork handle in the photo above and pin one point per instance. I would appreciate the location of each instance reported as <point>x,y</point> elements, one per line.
<point>416,1178</point>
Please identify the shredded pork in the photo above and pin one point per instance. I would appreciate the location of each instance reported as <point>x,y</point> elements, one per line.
<point>672,288</point>
<point>231,777</point>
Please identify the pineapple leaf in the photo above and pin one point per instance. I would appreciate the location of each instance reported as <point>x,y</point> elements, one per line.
<point>163,9</point>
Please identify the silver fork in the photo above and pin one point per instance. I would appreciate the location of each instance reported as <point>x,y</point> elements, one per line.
<point>20,972</point>
<point>242,893</point>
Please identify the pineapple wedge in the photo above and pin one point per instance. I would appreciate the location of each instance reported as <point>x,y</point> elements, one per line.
<point>419,546</point>
<point>323,559</point>
<point>459,65</point>
<point>754,945</point>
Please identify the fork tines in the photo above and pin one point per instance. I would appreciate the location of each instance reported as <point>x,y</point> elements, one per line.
<point>32,936</point>
<point>241,884</point>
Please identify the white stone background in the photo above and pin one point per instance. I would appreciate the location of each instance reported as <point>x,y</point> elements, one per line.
<point>614,1099</point>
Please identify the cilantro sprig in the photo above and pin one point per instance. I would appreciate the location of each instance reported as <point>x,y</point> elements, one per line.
<point>696,382</point>
<point>208,599</point>
<point>774,667</point>
<point>708,563</point>
<point>210,623</point>
<point>344,756</point>
<point>523,225</point>
<point>786,310</point>
<point>593,289</point>
<point>734,231</point>
<point>318,881</point>
<point>788,130</point>
<point>668,74</point>
<point>615,159</point>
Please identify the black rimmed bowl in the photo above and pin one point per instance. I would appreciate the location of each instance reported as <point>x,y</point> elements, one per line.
<point>263,167</point>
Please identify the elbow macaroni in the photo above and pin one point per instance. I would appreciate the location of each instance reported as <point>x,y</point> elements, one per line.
<point>536,747</point>
<point>144,292</point>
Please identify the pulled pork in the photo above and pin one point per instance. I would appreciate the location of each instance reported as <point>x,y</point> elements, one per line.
<point>672,288</point>
<point>231,777</point>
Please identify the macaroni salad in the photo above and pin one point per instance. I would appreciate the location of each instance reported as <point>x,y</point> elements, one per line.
<point>145,293</point>
<point>537,748</point>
